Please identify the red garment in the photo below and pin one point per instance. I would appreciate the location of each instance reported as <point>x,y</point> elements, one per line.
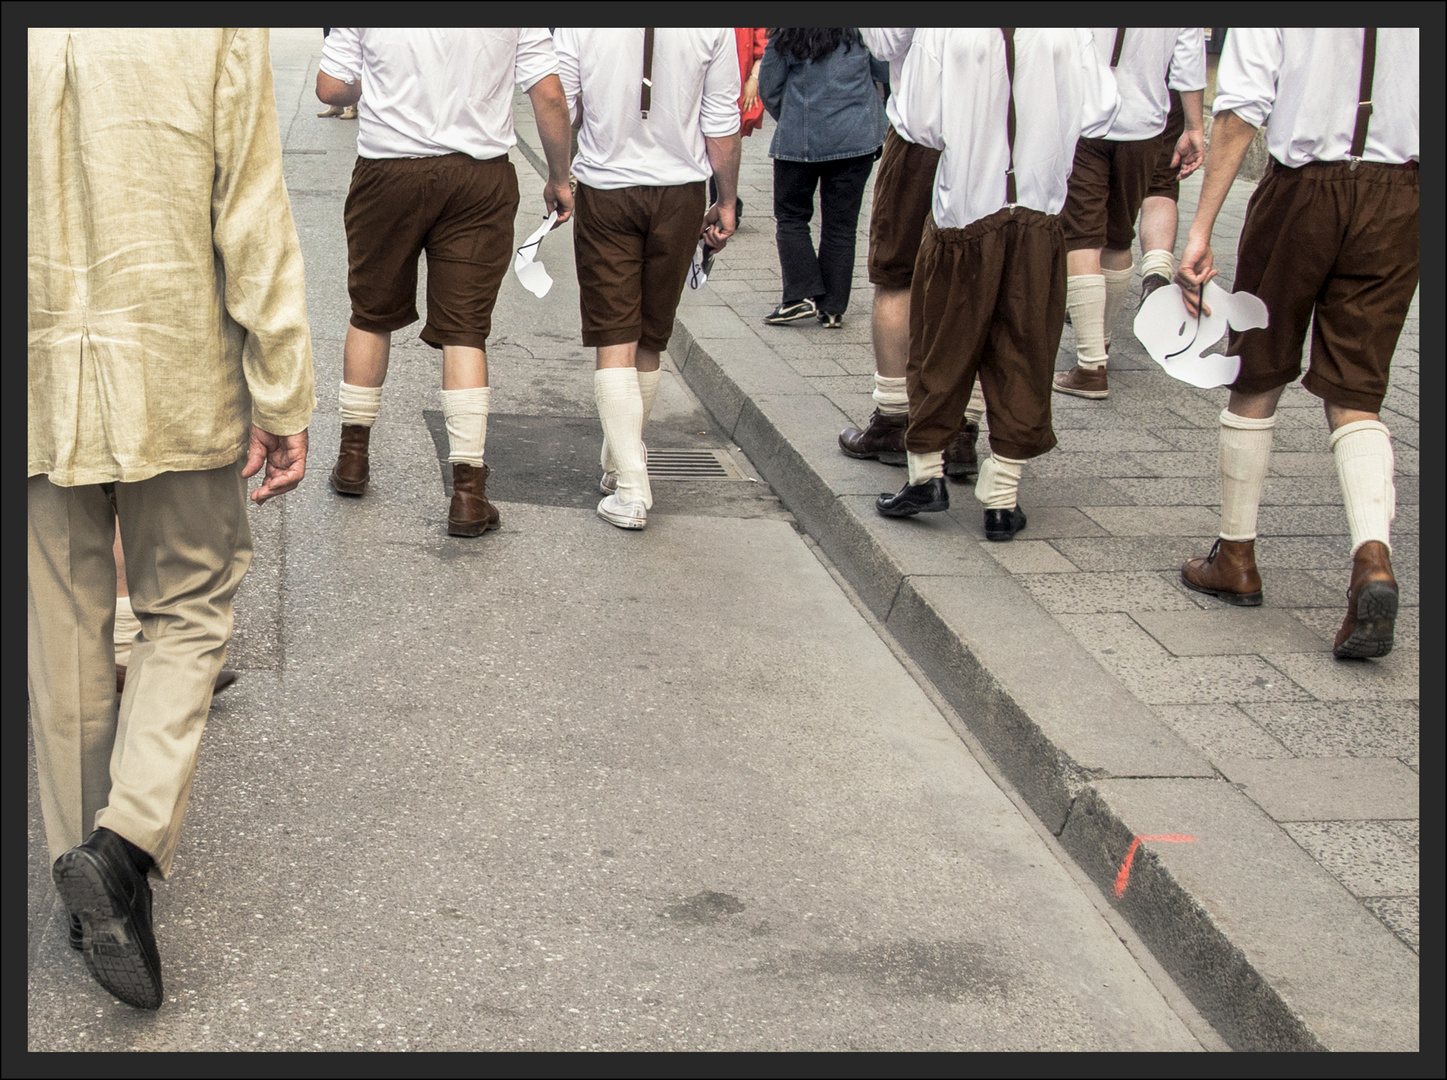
<point>750,41</point>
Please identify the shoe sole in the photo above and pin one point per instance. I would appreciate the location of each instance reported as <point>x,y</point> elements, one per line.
<point>1094,395</point>
<point>110,940</point>
<point>1376,624</point>
<point>912,511</point>
<point>623,522</point>
<point>348,487</point>
<point>1250,599</point>
<point>470,528</point>
<point>884,457</point>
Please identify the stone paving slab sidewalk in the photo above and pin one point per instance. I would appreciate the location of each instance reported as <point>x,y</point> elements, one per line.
<point>1120,704</point>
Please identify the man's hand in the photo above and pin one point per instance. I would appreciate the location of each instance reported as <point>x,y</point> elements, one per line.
<point>1195,270</point>
<point>1190,152</point>
<point>285,460</point>
<point>558,197</point>
<point>718,225</point>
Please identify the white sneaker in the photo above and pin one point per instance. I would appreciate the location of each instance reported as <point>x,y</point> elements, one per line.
<point>624,515</point>
<point>609,483</point>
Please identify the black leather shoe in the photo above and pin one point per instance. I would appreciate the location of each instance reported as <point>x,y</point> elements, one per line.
<point>77,935</point>
<point>1003,524</point>
<point>926,498</point>
<point>1150,283</point>
<point>102,887</point>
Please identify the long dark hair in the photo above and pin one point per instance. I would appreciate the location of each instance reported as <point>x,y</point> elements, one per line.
<point>813,42</point>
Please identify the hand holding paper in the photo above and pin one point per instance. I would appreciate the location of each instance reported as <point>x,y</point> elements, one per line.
<point>1178,340</point>
<point>531,273</point>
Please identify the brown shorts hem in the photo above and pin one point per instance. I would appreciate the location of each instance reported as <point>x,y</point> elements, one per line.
<point>596,339</point>
<point>383,326</point>
<point>1340,396</point>
<point>1020,451</point>
<point>1165,182</point>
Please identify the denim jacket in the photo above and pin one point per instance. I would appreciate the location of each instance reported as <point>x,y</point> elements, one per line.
<point>826,109</point>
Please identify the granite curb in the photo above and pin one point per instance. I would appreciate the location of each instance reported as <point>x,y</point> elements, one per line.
<point>1067,742</point>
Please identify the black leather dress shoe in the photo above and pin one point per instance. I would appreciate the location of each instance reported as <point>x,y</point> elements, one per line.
<point>1003,524</point>
<point>102,887</point>
<point>926,498</point>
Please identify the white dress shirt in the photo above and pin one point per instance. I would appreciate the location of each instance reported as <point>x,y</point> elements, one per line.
<point>429,92</point>
<point>955,95</point>
<point>695,93</point>
<point>891,44</point>
<point>1153,61</point>
<point>1303,83</point>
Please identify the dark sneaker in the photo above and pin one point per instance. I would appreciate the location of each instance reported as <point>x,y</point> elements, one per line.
<point>795,312</point>
<point>1003,524</point>
<point>830,322</point>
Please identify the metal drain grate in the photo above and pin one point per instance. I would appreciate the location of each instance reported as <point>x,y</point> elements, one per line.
<point>666,464</point>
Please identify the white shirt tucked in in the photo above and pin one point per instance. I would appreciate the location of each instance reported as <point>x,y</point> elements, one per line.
<point>428,92</point>
<point>1303,84</point>
<point>1153,61</point>
<point>956,93</point>
<point>695,93</point>
<point>891,44</point>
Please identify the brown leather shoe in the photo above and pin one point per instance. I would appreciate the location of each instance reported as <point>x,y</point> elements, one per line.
<point>470,513</point>
<point>224,678</point>
<point>352,470</point>
<point>882,438</point>
<point>961,461</point>
<point>1228,573</point>
<point>1082,382</point>
<point>1371,606</point>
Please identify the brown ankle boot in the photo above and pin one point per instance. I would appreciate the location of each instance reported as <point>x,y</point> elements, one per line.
<point>1371,606</point>
<point>961,461</point>
<point>470,513</point>
<point>352,469</point>
<point>1229,573</point>
<point>882,438</point>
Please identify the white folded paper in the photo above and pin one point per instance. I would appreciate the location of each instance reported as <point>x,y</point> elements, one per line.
<point>1178,340</point>
<point>530,272</point>
<point>699,268</point>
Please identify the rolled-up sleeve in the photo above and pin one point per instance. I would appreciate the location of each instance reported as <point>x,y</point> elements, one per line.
<point>1188,60</point>
<point>719,112</point>
<point>536,58</point>
<point>255,239</point>
<point>342,54</point>
<point>1246,79</point>
<point>565,45</point>
<point>888,43</point>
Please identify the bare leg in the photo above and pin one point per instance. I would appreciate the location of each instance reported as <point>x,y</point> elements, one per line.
<point>890,326</point>
<point>1158,223</point>
<point>463,368</point>
<point>365,356</point>
<point>1111,259</point>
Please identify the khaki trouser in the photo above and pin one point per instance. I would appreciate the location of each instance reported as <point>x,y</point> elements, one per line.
<point>188,545</point>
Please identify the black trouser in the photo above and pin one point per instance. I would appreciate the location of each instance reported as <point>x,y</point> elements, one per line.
<point>824,277</point>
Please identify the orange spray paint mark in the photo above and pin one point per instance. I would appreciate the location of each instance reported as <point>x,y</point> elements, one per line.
<point>1122,879</point>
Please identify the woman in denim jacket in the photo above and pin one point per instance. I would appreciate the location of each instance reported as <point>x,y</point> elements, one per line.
<point>818,84</point>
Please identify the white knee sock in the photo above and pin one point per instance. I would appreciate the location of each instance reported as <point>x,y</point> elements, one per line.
<point>889,396</point>
<point>924,467</point>
<point>466,413</point>
<point>1158,261</point>
<point>1085,300</point>
<point>975,410</point>
<point>620,408</point>
<point>360,404</point>
<point>998,485</point>
<point>1117,284</point>
<point>1245,453</point>
<point>1364,465</point>
<point>648,389</point>
<point>127,627</point>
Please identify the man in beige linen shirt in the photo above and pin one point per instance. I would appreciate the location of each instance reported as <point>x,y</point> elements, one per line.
<point>169,359</point>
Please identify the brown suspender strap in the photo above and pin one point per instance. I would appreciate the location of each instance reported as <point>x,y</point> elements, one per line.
<point>645,95</point>
<point>1009,32</point>
<point>1119,44</point>
<point>1364,97</point>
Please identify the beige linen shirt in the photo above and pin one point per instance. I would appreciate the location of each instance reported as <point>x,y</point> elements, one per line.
<point>167,307</point>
